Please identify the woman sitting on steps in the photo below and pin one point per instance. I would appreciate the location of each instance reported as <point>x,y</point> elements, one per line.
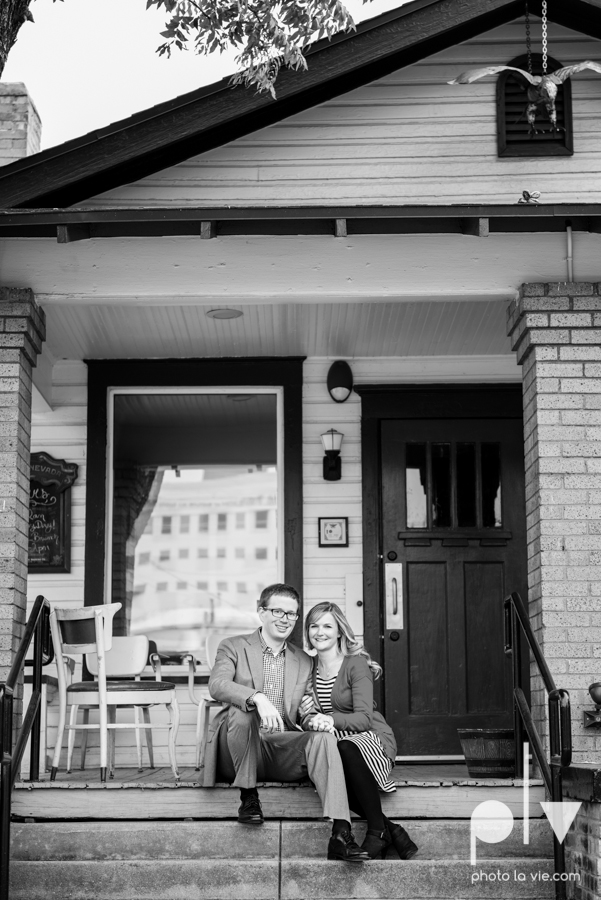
<point>341,702</point>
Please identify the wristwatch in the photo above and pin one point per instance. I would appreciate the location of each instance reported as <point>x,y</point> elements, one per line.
<point>250,703</point>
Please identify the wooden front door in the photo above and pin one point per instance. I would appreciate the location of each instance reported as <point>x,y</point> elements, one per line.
<point>453,545</point>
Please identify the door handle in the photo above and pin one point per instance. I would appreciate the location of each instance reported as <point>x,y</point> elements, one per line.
<point>393,589</point>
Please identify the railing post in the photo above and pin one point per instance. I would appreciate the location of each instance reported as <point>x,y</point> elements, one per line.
<point>518,724</point>
<point>6,740</point>
<point>559,855</point>
<point>36,687</point>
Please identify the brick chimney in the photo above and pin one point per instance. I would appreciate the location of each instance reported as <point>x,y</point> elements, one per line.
<point>20,124</point>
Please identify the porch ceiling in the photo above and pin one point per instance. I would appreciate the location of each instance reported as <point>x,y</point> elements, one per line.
<point>421,328</point>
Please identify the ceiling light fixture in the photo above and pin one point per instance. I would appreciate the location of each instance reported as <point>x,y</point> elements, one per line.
<point>225,313</point>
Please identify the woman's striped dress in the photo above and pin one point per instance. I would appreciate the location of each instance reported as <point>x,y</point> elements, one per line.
<point>368,742</point>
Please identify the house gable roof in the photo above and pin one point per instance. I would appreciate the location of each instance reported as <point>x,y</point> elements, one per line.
<point>201,120</point>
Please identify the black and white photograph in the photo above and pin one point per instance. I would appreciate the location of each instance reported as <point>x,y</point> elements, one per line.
<point>300,449</point>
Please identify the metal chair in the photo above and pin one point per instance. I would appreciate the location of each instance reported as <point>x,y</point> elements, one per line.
<point>203,716</point>
<point>89,631</point>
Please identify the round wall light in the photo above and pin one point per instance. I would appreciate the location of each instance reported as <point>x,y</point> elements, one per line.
<point>340,381</point>
<point>225,313</point>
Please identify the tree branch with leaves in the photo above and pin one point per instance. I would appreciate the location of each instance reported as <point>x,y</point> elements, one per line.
<point>267,35</point>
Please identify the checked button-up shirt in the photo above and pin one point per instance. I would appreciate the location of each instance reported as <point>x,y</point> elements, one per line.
<point>273,676</point>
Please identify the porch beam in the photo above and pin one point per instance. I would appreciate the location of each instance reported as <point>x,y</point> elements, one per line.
<point>68,225</point>
<point>106,215</point>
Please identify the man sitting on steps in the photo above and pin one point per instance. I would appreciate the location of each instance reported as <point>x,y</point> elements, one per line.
<point>261,678</point>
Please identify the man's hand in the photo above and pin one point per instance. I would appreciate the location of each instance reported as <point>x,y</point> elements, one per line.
<point>320,722</point>
<point>270,718</point>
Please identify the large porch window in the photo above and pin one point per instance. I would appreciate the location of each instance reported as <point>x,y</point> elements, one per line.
<point>194,511</point>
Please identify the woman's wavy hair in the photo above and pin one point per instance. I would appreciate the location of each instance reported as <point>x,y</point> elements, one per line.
<point>347,642</point>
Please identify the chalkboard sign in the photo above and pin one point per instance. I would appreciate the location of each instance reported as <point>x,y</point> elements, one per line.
<point>50,513</point>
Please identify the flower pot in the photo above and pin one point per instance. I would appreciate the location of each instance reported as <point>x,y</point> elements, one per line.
<point>489,752</point>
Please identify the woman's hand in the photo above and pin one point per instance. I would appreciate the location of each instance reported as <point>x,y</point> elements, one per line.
<point>320,722</point>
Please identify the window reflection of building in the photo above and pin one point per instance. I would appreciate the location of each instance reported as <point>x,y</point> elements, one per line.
<point>208,550</point>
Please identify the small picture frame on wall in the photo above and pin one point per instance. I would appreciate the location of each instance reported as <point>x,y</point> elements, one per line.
<point>333,531</point>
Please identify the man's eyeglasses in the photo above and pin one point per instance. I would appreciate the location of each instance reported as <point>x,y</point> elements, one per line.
<point>281,614</point>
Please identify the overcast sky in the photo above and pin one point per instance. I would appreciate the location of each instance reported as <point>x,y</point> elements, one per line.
<point>87,63</point>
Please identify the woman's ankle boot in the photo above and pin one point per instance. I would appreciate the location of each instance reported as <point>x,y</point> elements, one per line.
<point>401,841</point>
<point>375,844</point>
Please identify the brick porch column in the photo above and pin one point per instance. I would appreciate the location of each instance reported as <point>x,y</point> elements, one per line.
<point>22,331</point>
<point>556,332</point>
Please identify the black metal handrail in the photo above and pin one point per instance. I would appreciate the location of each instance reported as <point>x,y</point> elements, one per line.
<point>38,630</point>
<point>560,718</point>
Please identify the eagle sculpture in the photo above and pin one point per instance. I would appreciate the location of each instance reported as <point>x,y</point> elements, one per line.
<point>542,90</point>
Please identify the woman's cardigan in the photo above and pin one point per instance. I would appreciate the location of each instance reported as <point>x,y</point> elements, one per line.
<point>353,703</point>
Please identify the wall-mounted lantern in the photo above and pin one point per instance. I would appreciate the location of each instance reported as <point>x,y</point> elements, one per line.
<point>340,381</point>
<point>332,466</point>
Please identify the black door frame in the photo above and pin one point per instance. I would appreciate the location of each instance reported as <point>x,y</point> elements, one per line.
<point>410,401</point>
<point>286,372</point>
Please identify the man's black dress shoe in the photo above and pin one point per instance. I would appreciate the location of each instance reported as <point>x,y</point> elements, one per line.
<point>343,846</point>
<point>401,841</point>
<point>250,812</point>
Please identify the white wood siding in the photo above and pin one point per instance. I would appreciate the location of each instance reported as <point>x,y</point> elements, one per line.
<point>325,569</point>
<point>63,434</point>
<point>407,138</point>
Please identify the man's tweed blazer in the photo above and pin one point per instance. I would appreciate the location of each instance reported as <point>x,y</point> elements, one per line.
<point>238,674</point>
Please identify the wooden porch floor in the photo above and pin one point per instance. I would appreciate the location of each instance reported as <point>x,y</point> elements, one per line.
<point>426,791</point>
<point>438,773</point>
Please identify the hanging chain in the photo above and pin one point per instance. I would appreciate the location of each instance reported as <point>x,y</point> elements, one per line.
<point>528,37</point>
<point>545,37</point>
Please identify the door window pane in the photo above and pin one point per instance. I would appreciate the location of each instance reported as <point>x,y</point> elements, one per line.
<point>466,485</point>
<point>491,485</point>
<point>416,486</point>
<point>441,485</point>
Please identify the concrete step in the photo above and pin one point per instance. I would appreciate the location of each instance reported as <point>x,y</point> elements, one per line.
<point>219,840</point>
<point>281,860</point>
<point>288,879</point>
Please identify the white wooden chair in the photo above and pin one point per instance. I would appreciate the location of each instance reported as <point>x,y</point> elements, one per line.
<point>127,658</point>
<point>90,631</point>
<point>203,716</point>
